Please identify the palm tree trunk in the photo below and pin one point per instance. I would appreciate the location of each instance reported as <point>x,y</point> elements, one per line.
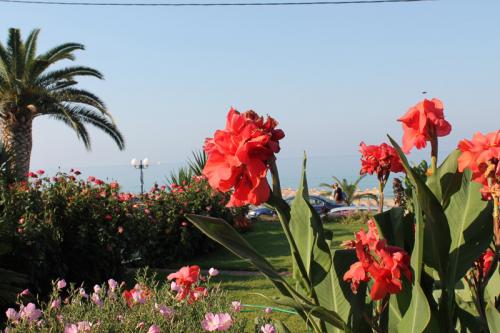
<point>18,140</point>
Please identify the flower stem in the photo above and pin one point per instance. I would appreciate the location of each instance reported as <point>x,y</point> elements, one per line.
<point>381,186</point>
<point>434,154</point>
<point>496,224</point>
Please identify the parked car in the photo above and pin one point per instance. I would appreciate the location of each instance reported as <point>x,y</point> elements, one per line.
<point>321,204</point>
<point>259,211</point>
<point>349,210</point>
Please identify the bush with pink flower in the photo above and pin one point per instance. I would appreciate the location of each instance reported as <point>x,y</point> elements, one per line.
<point>155,308</point>
<point>84,229</point>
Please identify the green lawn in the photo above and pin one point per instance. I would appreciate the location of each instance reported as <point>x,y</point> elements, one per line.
<point>268,239</point>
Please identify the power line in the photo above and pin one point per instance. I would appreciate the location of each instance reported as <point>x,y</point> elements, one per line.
<point>212,4</point>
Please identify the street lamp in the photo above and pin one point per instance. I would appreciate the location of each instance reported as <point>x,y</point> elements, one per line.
<point>141,165</point>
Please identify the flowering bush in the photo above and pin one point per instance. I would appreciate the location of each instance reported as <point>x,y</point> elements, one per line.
<point>406,270</point>
<point>153,308</point>
<point>86,229</point>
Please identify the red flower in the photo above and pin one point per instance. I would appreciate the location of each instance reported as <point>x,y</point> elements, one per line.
<point>114,185</point>
<point>423,122</point>
<point>40,172</point>
<point>483,263</point>
<point>186,276</point>
<point>238,157</point>
<point>380,160</point>
<point>91,179</point>
<point>98,182</point>
<point>108,218</point>
<point>376,260</point>
<point>481,155</point>
<point>32,175</point>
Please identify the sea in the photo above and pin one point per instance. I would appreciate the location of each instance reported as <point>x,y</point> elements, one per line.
<point>320,169</point>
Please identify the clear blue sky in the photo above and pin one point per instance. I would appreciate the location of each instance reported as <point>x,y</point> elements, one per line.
<point>331,75</point>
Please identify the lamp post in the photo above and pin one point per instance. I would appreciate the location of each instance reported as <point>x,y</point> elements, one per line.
<point>141,165</point>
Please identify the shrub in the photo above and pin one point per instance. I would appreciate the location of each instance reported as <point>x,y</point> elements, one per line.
<point>85,230</point>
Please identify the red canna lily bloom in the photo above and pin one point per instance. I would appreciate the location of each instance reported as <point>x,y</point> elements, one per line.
<point>424,122</point>
<point>384,264</point>
<point>380,160</point>
<point>239,156</point>
<point>481,155</point>
<point>186,276</point>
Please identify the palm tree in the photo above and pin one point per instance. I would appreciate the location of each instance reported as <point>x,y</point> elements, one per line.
<point>28,89</point>
<point>350,190</point>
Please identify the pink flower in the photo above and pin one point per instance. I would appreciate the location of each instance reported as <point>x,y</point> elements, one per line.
<point>61,284</point>
<point>30,312</point>
<point>267,328</point>
<point>112,284</point>
<point>83,293</point>
<point>84,326</point>
<point>12,314</point>
<point>268,310</point>
<point>71,328</point>
<point>91,179</point>
<point>138,296</point>
<point>213,272</point>
<point>217,322</point>
<point>56,304</point>
<point>96,299</point>
<point>174,286</point>
<point>154,329</point>
<point>166,311</point>
<point>25,292</point>
<point>236,306</point>
<point>140,325</point>
<point>32,175</point>
<point>40,172</point>
<point>97,288</point>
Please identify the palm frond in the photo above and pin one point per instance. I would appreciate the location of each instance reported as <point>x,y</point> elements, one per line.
<point>67,73</point>
<point>101,122</point>
<point>68,118</point>
<point>31,46</point>
<point>73,95</point>
<point>197,162</point>
<point>63,51</point>
<point>16,49</point>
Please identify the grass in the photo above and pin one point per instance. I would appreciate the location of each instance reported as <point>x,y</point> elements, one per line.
<point>268,239</point>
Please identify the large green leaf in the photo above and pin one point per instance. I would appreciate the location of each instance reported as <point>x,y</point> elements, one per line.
<point>328,316</point>
<point>281,327</point>
<point>493,318</point>
<point>396,228</point>
<point>417,317</point>
<point>470,223</point>
<point>223,233</point>
<point>307,231</point>
<point>336,294</point>
<point>437,237</point>
<point>446,180</point>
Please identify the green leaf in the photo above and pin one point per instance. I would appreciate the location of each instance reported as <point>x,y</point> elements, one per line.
<point>467,321</point>
<point>493,318</point>
<point>470,223</point>
<point>320,312</point>
<point>446,180</point>
<point>395,228</point>
<point>307,231</point>
<point>336,294</point>
<point>492,289</point>
<point>223,233</point>
<point>437,238</point>
<point>417,317</point>
<point>281,327</point>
